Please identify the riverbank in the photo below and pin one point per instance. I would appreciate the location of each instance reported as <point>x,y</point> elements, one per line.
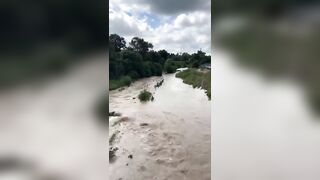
<point>197,78</point>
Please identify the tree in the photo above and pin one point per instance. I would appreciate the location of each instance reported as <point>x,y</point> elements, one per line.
<point>139,45</point>
<point>138,61</point>
<point>164,54</point>
<point>185,57</point>
<point>155,56</point>
<point>117,42</point>
<point>132,62</point>
<point>170,66</point>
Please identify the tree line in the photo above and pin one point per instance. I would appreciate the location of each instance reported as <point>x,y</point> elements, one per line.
<point>138,59</point>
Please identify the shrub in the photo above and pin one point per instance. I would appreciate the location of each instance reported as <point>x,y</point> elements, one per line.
<point>169,67</point>
<point>133,75</point>
<point>117,83</point>
<point>157,69</point>
<point>145,95</point>
<point>126,80</point>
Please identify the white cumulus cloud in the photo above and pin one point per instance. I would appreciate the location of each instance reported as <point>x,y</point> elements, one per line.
<point>185,32</point>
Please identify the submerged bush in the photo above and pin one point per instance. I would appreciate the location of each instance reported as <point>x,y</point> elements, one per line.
<point>159,84</point>
<point>145,95</point>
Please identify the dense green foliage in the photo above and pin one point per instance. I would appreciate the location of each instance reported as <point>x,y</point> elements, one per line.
<point>145,96</point>
<point>138,60</point>
<point>197,78</point>
<point>120,82</point>
<point>171,66</point>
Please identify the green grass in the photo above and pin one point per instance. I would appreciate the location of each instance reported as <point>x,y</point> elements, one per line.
<point>197,79</point>
<point>145,95</point>
<point>117,83</point>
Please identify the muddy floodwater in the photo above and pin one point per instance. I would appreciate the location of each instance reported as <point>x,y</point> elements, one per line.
<point>164,139</point>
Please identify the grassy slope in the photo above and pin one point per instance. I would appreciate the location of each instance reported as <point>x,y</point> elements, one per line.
<point>197,79</point>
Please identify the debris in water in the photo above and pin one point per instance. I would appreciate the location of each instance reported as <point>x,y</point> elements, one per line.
<point>113,137</point>
<point>184,171</point>
<point>113,113</point>
<point>159,84</point>
<point>112,154</point>
<point>120,120</point>
<point>130,156</point>
<point>142,168</point>
<point>144,124</point>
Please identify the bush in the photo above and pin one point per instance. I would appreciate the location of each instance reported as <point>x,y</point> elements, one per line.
<point>133,75</point>
<point>147,69</point>
<point>117,83</point>
<point>157,69</point>
<point>145,95</point>
<point>126,80</point>
<point>169,67</point>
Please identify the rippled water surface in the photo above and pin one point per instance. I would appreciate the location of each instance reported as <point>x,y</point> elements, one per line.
<point>168,138</point>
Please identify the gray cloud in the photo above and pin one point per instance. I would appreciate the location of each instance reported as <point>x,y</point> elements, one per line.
<point>121,27</point>
<point>177,6</point>
<point>169,7</point>
<point>126,25</point>
<point>188,29</point>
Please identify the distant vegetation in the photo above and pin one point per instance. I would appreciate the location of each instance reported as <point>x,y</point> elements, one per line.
<point>145,96</point>
<point>138,60</point>
<point>197,78</point>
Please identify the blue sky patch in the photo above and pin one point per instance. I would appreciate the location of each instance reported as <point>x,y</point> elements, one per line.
<point>153,20</point>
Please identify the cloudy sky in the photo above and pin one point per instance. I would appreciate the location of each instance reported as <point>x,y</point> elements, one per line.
<point>174,25</point>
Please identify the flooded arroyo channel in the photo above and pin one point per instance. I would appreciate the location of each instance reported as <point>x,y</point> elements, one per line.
<point>167,138</point>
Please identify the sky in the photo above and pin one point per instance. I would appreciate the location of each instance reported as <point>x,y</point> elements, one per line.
<point>174,25</point>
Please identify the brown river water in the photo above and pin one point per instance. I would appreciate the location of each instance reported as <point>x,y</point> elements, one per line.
<point>168,138</point>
